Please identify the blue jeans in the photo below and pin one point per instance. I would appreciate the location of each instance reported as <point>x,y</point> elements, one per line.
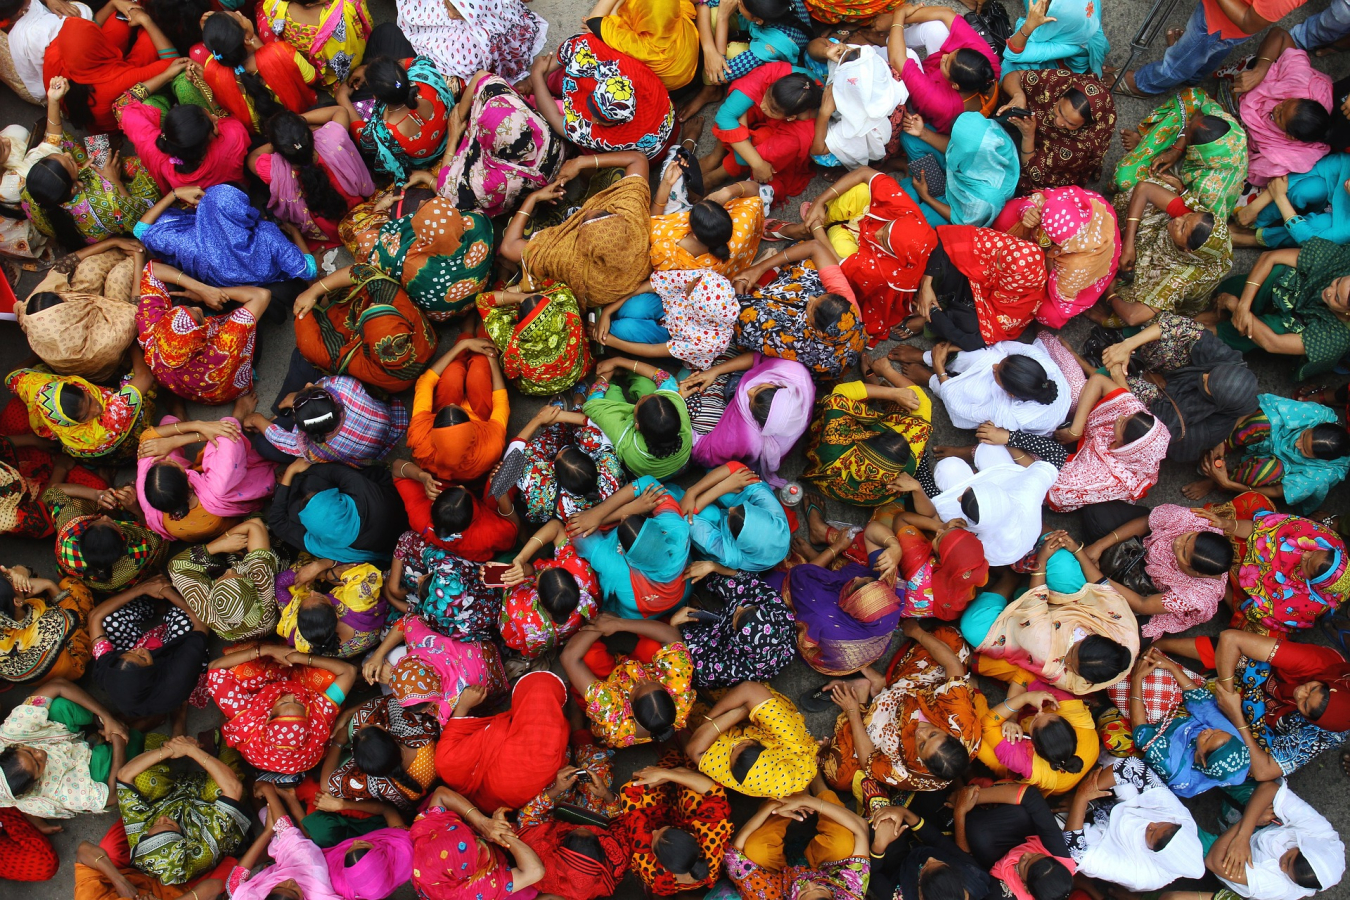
<point>1327,27</point>
<point>1190,59</point>
<point>639,320</point>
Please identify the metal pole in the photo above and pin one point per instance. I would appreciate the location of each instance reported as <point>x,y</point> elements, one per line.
<point>1153,23</point>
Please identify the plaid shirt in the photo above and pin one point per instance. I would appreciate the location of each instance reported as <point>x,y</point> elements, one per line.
<point>370,428</point>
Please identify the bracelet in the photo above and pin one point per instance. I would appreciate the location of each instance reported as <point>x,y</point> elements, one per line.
<point>310,657</point>
<point>834,190</point>
<point>403,469</point>
<point>521,212</point>
<point>1244,727</point>
<point>508,514</point>
<point>323,284</point>
<point>1133,697</point>
<point>527,543</point>
<point>175,193</point>
<point>1081,545</point>
<point>1042,572</point>
<point>898,25</point>
<point>471,809</point>
<point>1116,536</point>
<point>596,157</point>
<point>177,429</point>
<point>193,892</point>
<point>100,859</point>
<point>882,854</point>
<point>1257,283</point>
<point>1132,219</point>
<point>257,651</point>
<point>688,141</point>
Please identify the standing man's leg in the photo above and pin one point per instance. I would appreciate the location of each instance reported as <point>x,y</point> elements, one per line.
<point>1196,54</point>
<point>1323,29</point>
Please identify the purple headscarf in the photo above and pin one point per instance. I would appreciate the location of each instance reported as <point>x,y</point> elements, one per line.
<point>387,864</point>
<point>737,436</point>
<point>340,158</point>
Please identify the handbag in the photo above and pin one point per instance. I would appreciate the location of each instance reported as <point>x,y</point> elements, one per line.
<point>1124,564</point>
<point>991,22</point>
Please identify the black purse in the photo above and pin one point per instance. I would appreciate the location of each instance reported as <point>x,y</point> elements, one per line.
<point>1124,564</point>
<point>991,22</point>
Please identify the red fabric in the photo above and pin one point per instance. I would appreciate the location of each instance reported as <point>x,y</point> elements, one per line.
<point>427,139</point>
<point>25,853</point>
<point>1270,10</point>
<point>507,759</point>
<point>277,69</point>
<point>654,598</point>
<point>105,59</point>
<point>1297,664</point>
<point>487,535</point>
<point>1177,208</point>
<point>886,276</point>
<point>222,164</point>
<point>784,145</point>
<point>468,377</point>
<point>572,875</point>
<point>1007,277</point>
<point>246,695</point>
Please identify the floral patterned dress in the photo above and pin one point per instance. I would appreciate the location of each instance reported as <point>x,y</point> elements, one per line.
<point>100,211</point>
<point>527,627</point>
<point>607,703</point>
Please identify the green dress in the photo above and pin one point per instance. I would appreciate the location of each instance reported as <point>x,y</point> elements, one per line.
<point>442,256</point>
<point>610,407</point>
<point>546,352</point>
<point>98,208</point>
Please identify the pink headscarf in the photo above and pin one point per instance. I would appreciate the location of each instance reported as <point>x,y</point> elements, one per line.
<point>296,858</point>
<point>1270,151</point>
<point>386,865</point>
<point>1097,472</point>
<point>738,436</point>
<point>343,163</point>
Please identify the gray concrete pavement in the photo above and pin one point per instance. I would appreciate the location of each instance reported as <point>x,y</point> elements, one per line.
<point>1322,783</point>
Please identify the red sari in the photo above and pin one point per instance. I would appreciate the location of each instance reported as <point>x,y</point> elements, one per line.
<point>105,59</point>
<point>277,68</point>
<point>784,145</point>
<point>1007,277</point>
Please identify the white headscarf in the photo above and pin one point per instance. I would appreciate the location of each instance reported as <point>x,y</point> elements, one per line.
<point>865,95</point>
<point>1302,827</point>
<point>973,397</point>
<point>463,46</point>
<point>1009,497</point>
<point>1118,853</point>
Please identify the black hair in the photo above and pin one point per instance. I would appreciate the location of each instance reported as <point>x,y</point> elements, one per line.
<point>452,512</point>
<point>893,446</point>
<point>711,224</point>
<point>167,490</point>
<point>736,520</point>
<point>1026,379</point>
<point>185,132</point>
<point>101,546</point>
<point>528,304</point>
<point>79,104</point>
<point>680,852</point>
<point>1304,876</point>
<point>291,137</point>
<point>180,20</point>
<point>796,93</point>
<point>1079,101</point>
<point>274,894</point>
<point>1057,743</point>
<point>1308,122</point>
<point>970,506</point>
<point>449,416</point>
<point>949,761</point>
<point>773,12</point>
<point>761,404</point>
<point>19,779</point>
<point>318,624</point>
<point>71,400</point>
<point>1213,554</point>
<point>42,299</point>
<point>629,529</point>
<point>1201,232</point>
<point>971,71</point>
<point>354,856</point>
<point>1049,879</point>
<point>941,882</point>
<point>1209,129</point>
<point>375,752</point>
<point>658,421</point>
<point>829,311</point>
<point>745,761</point>
<point>577,473</point>
<point>655,711</point>
<point>558,592</point>
<point>389,83</point>
<point>1137,427</point>
<point>7,599</point>
<point>50,185</point>
<point>320,412</point>
<point>1330,441</point>
<point>579,840</point>
<point>1315,712</point>
<point>10,8</point>
<point>225,38</point>
<point>1101,659</point>
<point>1168,832</point>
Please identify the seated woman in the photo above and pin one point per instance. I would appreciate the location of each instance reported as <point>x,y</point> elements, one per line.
<point>313,171</point>
<point>1079,231</point>
<point>1289,450</point>
<point>366,326</point>
<point>835,860</point>
<point>1037,735</point>
<point>753,638</point>
<point>663,36</point>
<point>331,609</point>
<point>450,861</point>
<point>223,241</point>
<point>150,650</point>
<point>652,437</point>
<point>461,40</point>
<point>338,513</point>
<point>541,337</point>
<point>958,74</point>
<point>760,424</point>
<point>721,232</point>
<point>180,826</point>
<point>382,751</point>
<point>981,166</point>
<point>680,821</point>
<point>689,316</point>
<point>569,464</point>
<point>1011,385</point>
<point>610,101</point>
<point>1285,105</point>
<point>279,705</point>
<point>450,594</point>
<point>641,559</point>
<point>90,421</point>
<point>48,770</point>
<point>297,862</point>
<point>503,149</point>
<point>1120,448</point>
<point>97,539</point>
<point>438,676</point>
<point>547,600</point>
<point>374,864</point>
<point>460,410</point>
<point>1066,33</point>
<point>251,80</point>
<point>1295,302</point>
<point>101,59</point>
<point>40,628</point>
<point>200,357</point>
<point>1016,837</point>
<point>939,575</point>
<point>853,125</point>
<point>868,435</point>
<point>737,522</point>
<point>452,518</point>
<point>807,314</point>
<point>230,583</point>
<point>82,322</point>
<point>334,33</point>
<point>187,146</point>
<point>406,128</point>
<point>1295,209</point>
<point>1298,851</point>
<point>765,129</point>
<point>1073,123</point>
<point>770,755</point>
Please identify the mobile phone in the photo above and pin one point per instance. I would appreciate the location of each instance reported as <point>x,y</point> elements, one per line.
<point>702,615</point>
<point>99,148</point>
<point>494,574</point>
<point>584,777</point>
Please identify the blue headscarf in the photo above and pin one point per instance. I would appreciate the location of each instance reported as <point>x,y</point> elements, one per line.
<point>982,170</point>
<point>765,537</point>
<point>659,555</point>
<point>1171,751</point>
<point>332,524</point>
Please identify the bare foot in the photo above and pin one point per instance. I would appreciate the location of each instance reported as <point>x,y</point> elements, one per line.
<point>1100,311</point>
<point>1197,489</point>
<point>1174,35</point>
<point>882,366</point>
<point>693,129</point>
<point>942,451</point>
<point>803,548</point>
<point>1130,138</point>
<point>245,406</point>
<point>709,93</point>
<point>916,372</point>
<point>905,354</point>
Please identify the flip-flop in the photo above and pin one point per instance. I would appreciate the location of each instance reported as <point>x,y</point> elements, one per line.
<point>816,701</point>
<point>805,209</point>
<point>1123,87</point>
<point>773,230</point>
<point>513,466</point>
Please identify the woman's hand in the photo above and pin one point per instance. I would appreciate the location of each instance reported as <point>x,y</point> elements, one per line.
<point>1238,856</point>
<point>1038,15</point>
<point>1127,255</point>
<point>1117,355</point>
<point>905,484</point>
<point>370,669</point>
<point>1012,732</point>
<point>920,181</point>
<point>1279,186</point>
<point>57,90</point>
<point>966,799</point>
<point>191,195</point>
<point>213,432</point>
<point>20,578</point>
<point>699,570</point>
<point>570,170</point>
<point>111,169</point>
<point>565,779</point>
<point>479,345</point>
<point>430,486</point>
<point>912,124</point>
<point>646,501</point>
<point>583,524</point>
<point>1039,700</point>
<point>1031,216</point>
<point>326,802</point>
<point>517,574</point>
<point>715,64</point>
<point>762,171</point>
<point>689,505</point>
<point>308,298</point>
<point>650,775</point>
<point>695,382</point>
<point>1224,524</point>
<point>989,433</point>
<point>846,696</point>
<point>941,352</point>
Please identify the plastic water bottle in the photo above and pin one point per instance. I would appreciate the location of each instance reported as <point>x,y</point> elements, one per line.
<point>791,493</point>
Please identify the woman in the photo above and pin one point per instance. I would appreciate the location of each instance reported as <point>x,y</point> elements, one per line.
<point>453,599</point>
<point>980,163</point>
<point>41,633</point>
<point>737,523</point>
<point>688,316</point>
<point>297,863</point>
<point>104,552</point>
<point>547,600</point>
<point>1015,386</point>
<point>634,699</point>
<point>452,861</point>
<point>1066,33</point>
<point>253,81</point>
<point>90,421</point>
<point>328,419</point>
<point>69,199</point>
<point>200,357</point>
<point>1294,303</point>
<point>344,620</point>
<point>279,704</point>
<point>653,436</point>
<point>25,851</point>
<point>681,824</point>
<point>442,256</point>
<point>753,638</point>
<point>367,326</point>
<point>601,251</point>
<point>1284,109</point>
<point>941,574</point>
<point>313,171</point>
<point>372,866</point>
<point>767,414</point>
<point>408,126</point>
<point>1038,735</point>
<point>392,754</point>
<point>501,36</point>
<point>460,410</point>
<point>1293,210</point>
<point>338,513</point>
<point>541,337</point>
<point>331,34</point>
<point>835,864</point>
<point>187,146</point>
<point>1074,120</point>
<point>222,241</point>
<point>18,235</point>
<point>438,676</point>
<point>721,232</point>
<point>101,61</point>
<point>1079,228</point>
<point>453,518</point>
<point>198,501</point>
<point>570,465</point>
<point>230,583</point>
<point>82,322</point>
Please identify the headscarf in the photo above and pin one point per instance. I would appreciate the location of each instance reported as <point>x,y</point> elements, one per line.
<point>229,479</point>
<point>1007,278</point>
<point>437,669</point>
<point>111,425</point>
<point>761,646</point>
<point>1297,300</point>
<point>972,397</point>
<point>1272,152</point>
<point>209,831</point>
<point>1099,472</point>
<point>943,584</point>
<point>332,524</point>
<point>284,744</point>
<point>141,691</point>
<point>765,536</point>
<point>335,151</point>
<point>1073,23</point>
<point>1118,852</point>
<point>1172,278</point>
<point>982,170</point>
<point>738,434</point>
<point>1010,519</point>
<point>31,645</point>
<point>225,242</point>
<point>571,874</point>
<point>651,573</point>
<point>376,138</point>
<point>82,52</point>
<point>1062,156</point>
<point>617,418</point>
<point>546,351</point>
<point>449,859</point>
<point>85,334</point>
<point>844,622</point>
<point>1269,571</point>
<point>296,858</point>
<point>612,101</point>
<point>663,36</point>
<point>1299,826</point>
<point>279,72</point>
<point>1307,479</point>
<point>865,95</point>
<point>387,864</point>
<point>442,256</point>
<point>701,321</point>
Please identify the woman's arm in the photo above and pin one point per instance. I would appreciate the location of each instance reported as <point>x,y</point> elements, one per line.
<point>766,809</point>
<point>579,675</point>
<point>1234,644</point>
<point>67,690</point>
<point>1097,387</point>
<point>1133,528</point>
<point>1264,767</point>
<point>941,653</point>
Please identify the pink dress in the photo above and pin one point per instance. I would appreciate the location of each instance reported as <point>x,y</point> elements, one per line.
<point>296,858</point>
<point>225,155</point>
<point>930,93</point>
<point>1270,151</point>
<point>1190,601</point>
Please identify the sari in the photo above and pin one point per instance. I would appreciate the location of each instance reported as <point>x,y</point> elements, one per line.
<point>397,154</point>
<point>104,58</point>
<point>706,817</point>
<point>1009,498</point>
<point>281,744</point>
<point>942,583</point>
<point>1167,277</point>
<point>19,237</point>
<point>436,670</point>
<point>1098,472</point>
<point>48,640</point>
<point>89,331</point>
<point>336,155</point>
<point>122,414</point>
<point>647,579</point>
<point>279,67</point>
<point>568,873</point>
<point>26,854</point>
<point>982,170</point>
<point>210,363</point>
<point>602,259</point>
<point>1278,596</point>
<point>607,701</point>
<point>1168,747</point>
<point>527,627</point>
<point>1271,152</point>
<point>840,458</point>
<point>544,497</point>
<point>99,209</point>
<point>442,256</point>
<point>68,786</point>
<point>972,397</point>
<point>410,730</point>
<point>845,618</point>
<point>501,36</point>
<point>1321,204</point>
<point>225,242</point>
<point>1065,156</point>
<point>1074,39</point>
<point>738,436</point>
<point>1007,277</point>
<point>612,101</point>
<point>386,865</point>
<point>764,537</point>
<point>1083,227</point>
<point>228,478</point>
<point>295,860</point>
<point>1263,450</point>
<point>455,601</point>
<point>358,602</point>
<point>178,659</point>
<point>235,609</point>
<point>608,407</point>
<point>334,47</point>
<point>661,34</point>
<point>507,151</point>
<point>374,332</point>
<point>546,352</point>
<point>747,227</point>
<point>774,322</point>
<point>753,647</point>
<point>451,861</point>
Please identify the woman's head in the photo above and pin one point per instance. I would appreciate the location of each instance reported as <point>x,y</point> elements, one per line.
<point>40,301</point>
<point>1191,231</point>
<point>22,767</point>
<point>559,593</point>
<point>1306,121</point>
<point>375,752</point>
<point>762,11</point>
<point>736,520</point>
<point>101,546</point>
<point>581,841</point>
<point>892,446</point>
<point>577,473</point>
<point>1056,742</point>
<point>1299,870</point>
<point>1072,110</point>
<point>389,83</point>
<point>225,38</point>
<point>167,489</point>
<point>51,182</point>
<point>291,137</point>
<point>743,758</point>
<point>316,411</point>
<point>79,104</point>
<point>1203,553</point>
<point>1311,699</point>
<point>185,134</point>
<point>761,402</point>
<point>943,753</point>
<point>940,881</point>
<point>180,20</point>
<point>629,529</point>
<point>1211,741</point>
<point>450,415</point>
<point>1159,834</point>
<point>1325,440</point>
<point>792,97</point>
<point>680,852</point>
<point>452,513</point>
<point>1026,379</point>
<point>317,622</point>
<point>1046,878</point>
<point>1335,295</point>
<point>969,71</point>
<point>827,312</point>
<point>711,225</point>
<point>654,710</point>
<point>658,421</point>
<point>970,506</point>
<point>10,606</point>
<point>1129,429</point>
<point>1099,659</point>
<point>1207,130</point>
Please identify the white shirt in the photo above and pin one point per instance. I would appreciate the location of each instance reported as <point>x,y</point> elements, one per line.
<point>28,41</point>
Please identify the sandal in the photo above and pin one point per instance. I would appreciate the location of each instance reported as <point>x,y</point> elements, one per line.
<point>1123,87</point>
<point>773,230</point>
